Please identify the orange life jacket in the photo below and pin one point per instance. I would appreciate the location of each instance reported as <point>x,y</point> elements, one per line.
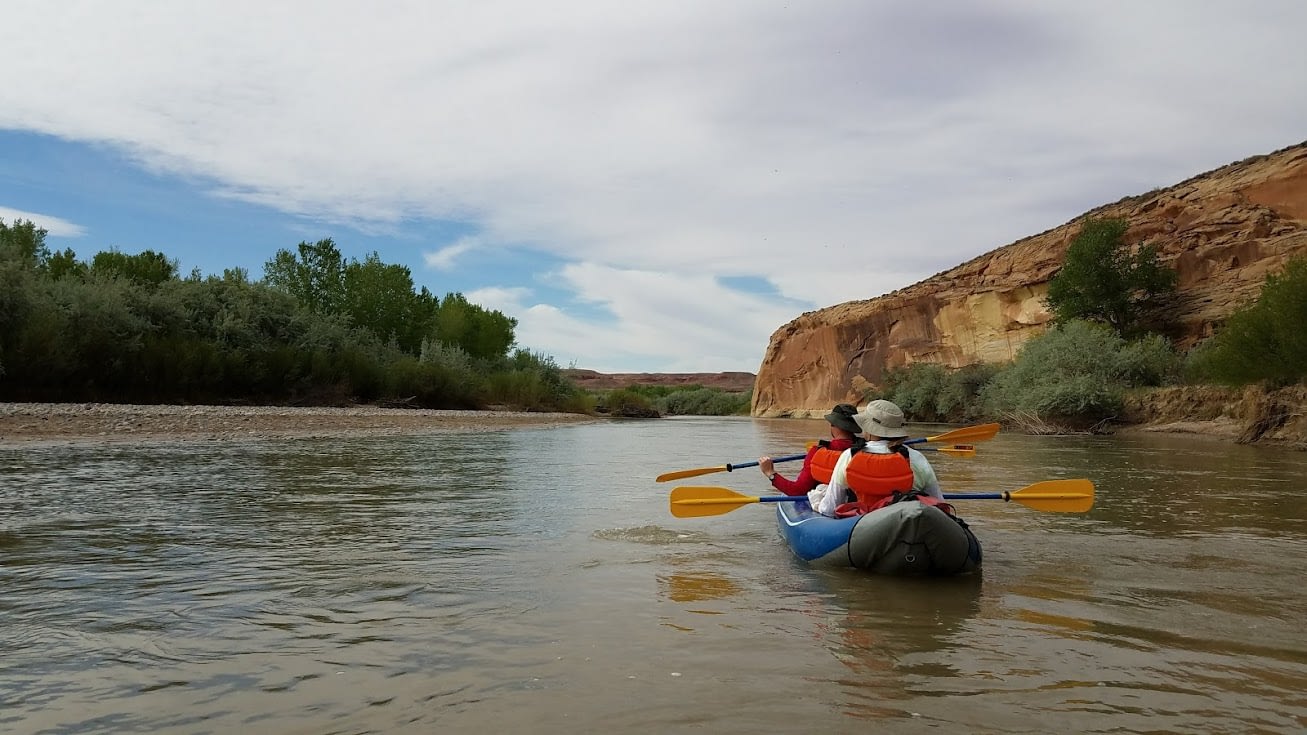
<point>872,477</point>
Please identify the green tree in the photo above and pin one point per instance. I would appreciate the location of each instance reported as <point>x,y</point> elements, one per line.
<point>481,333</point>
<point>147,268</point>
<point>66,265</point>
<point>316,278</point>
<point>24,243</point>
<point>1103,281</point>
<point>1264,340</point>
<point>380,298</point>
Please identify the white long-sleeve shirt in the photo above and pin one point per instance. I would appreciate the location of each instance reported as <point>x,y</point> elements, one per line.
<point>923,476</point>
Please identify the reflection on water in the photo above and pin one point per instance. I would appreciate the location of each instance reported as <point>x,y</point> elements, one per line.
<point>698,587</point>
<point>535,580</point>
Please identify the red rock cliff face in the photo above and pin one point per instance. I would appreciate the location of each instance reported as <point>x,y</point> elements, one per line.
<point>1223,232</point>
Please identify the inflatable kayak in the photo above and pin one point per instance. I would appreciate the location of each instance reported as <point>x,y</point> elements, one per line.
<point>907,538</point>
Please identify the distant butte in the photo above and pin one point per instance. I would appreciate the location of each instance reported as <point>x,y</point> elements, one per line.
<point>591,380</point>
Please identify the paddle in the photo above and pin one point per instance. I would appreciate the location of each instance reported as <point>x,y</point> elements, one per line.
<point>978,433</point>
<point>1056,496</point>
<point>956,450</point>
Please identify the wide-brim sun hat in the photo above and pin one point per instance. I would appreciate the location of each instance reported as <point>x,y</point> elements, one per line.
<point>843,417</point>
<point>882,419</point>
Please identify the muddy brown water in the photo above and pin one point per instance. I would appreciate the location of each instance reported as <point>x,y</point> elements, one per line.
<point>535,580</point>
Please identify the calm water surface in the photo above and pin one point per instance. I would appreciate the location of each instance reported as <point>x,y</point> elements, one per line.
<point>535,580</point>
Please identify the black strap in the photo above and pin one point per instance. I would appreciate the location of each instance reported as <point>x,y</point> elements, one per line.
<point>899,496</point>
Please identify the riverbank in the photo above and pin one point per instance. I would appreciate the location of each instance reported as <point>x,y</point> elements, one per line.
<point>1247,415</point>
<point>24,423</point>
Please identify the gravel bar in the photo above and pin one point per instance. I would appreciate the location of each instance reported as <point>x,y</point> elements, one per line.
<point>23,423</point>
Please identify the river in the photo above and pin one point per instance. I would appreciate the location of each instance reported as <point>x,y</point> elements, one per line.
<point>535,581</point>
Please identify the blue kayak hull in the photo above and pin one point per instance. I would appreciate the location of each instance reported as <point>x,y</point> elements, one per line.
<point>906,538</point>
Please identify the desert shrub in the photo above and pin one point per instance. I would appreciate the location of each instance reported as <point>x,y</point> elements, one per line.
<point>1077,372</point>
<point>627,402</point>
<point>533,382</point>
<point>1149,361</point>
<point>654,392</point>
<point>959,397</point>
<point>703,402</point>
<point>915,387</point>
<point>429,384</point>
<point>75,337</point>
<point>451,356</point>
<point>932,392</point>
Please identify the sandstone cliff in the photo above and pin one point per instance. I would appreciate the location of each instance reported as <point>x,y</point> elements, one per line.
<point>1222,231</point>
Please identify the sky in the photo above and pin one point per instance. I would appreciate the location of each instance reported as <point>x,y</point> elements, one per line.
<point>644,186</point>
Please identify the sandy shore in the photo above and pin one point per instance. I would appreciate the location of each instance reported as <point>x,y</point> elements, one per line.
<point>25,423</point>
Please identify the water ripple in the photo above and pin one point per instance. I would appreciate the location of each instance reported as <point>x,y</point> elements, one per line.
<point>526,581</point>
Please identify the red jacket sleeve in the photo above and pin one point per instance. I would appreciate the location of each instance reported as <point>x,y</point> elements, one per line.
<point>801,484</point>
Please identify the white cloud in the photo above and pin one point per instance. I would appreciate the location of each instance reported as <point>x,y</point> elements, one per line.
<point>840,149</point>
<point>509,300</point>
<point>685,323</point>
<point>443,259</point>
<point>52,225</point>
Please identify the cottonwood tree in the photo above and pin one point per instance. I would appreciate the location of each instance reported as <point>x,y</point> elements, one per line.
<point>23,243</point>
<point>147,268</point>
<point>316,278</point>
<point>1105,281</point>
<point>481,333</point>
<point>380,298</point>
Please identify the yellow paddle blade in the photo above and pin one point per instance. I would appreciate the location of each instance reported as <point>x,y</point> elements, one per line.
<point>682,474</point>
<point>695,501</point>
<point>958,450</point>
<point>977,433</point>
<point>1057,496</point>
